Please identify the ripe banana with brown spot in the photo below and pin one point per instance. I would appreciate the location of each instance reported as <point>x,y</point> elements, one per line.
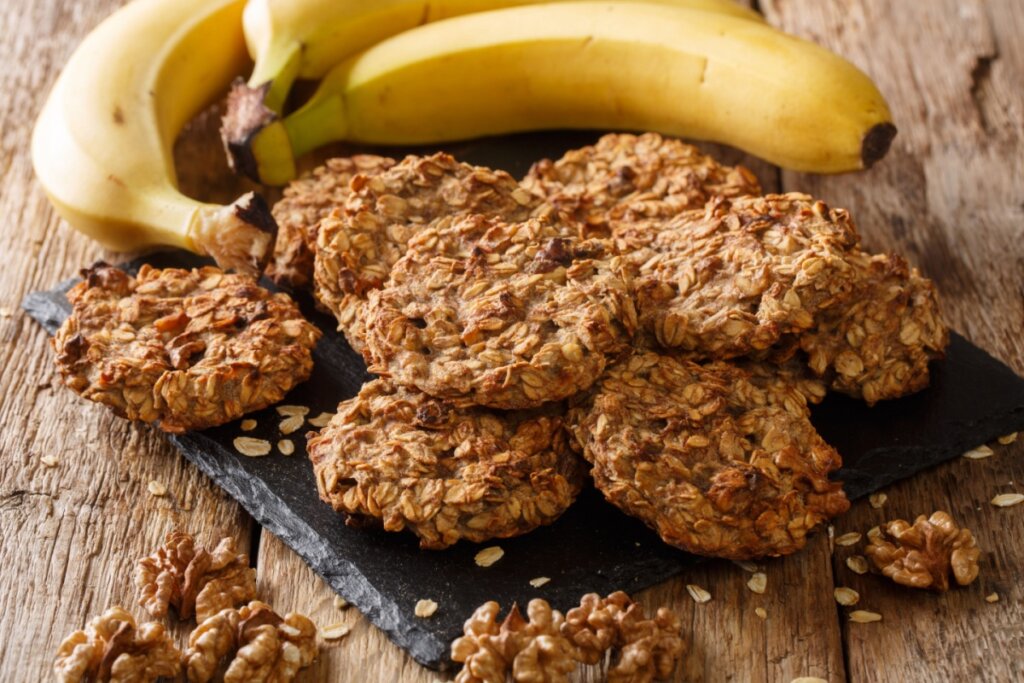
<point>102,147</point>
<point>601,65</point>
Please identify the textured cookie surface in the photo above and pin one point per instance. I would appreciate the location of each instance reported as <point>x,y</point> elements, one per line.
<point>718,461</point>
<point>517,317</point>
<point>358,244</point>
<point>732,279</point>
<point>629,177</point>
<point>445,473</point>
<point>190,348</point>
<point>307,200</point>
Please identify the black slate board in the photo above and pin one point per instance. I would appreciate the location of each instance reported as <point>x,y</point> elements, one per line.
<point>973,399</point>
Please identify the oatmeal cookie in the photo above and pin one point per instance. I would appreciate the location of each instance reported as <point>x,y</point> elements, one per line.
<point>733,279</point>
<point>188,348</point>
<point>357,245</point>
<point>521,317</point>
<point>718,461</point>
<point>307,200</point>
<point>879,344</point>
<point>443,472</point>
<point>631,177</point>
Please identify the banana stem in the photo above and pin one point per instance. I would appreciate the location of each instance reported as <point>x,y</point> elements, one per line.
<point>277,73</point>
<point>322,120</point>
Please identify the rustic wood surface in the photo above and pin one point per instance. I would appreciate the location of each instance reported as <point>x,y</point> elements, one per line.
<point>950,196</point>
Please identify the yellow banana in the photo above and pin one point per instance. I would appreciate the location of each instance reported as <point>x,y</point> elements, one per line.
<point>603,65</point>
<point>103,145</point>
<point>291,39</point>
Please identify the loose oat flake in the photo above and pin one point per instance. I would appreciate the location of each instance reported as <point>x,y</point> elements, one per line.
<point>808,679</point>
<point>758,582</point>
<point>863,617</point>
<point>321,420</point>
<point>877,500</point>
<point>286,446</point>
<point>335,631</point>
<point>848,539</point>
<point>846,596</point>
<point>857,563</point>
<point>248,425</point>
<point>49,460</point>
<point>697,593</point>
<point>1005,500</point>
<point>745,565</point>
<point>425,608</point>
<point>760,612</point>
<point>992,597</point>
<point>292,423</point>
<point>1007,439</point>
<point>340,602</point>
<point>157,489</point>
<point>254,448</point>
<point>488,556</point>
<point>979,453</point>
<point>290,411</point>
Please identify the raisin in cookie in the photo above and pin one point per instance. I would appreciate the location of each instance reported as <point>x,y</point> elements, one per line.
<point>718,461</point>
<point>443,472</point>
<point>188,348</point>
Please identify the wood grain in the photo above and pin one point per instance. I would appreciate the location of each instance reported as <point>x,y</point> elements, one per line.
<point>950,196</point>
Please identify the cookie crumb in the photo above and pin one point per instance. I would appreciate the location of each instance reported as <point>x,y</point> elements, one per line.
<point>760,612</point>
<point>992,597</point>
<point>758,582</point>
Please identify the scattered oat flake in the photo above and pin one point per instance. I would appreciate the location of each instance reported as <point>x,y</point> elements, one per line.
<point>156,488</point>
<point>745,565</point>
<point>760,611</point>
<point>340,602</point>
<point>697,593</point>
<point>1005,500</point>
<point>248,425</point>
<point>1007,439</point>
<point>488,556</point>
<point>758,582</point>
<point>286,446</point>
<point>846,596</point>
<point>857,564</point>
<point>863,617</point>
<point>254,448</point>
<point>321,420</point>
<point>992,597</point>
<point>848,539</point>
<point>425,608</point>
<point>49,460</point>
<point>877,500</point>
<point>979,453</point>
<point>808,679</point>
<point>335,631</point>
<point>5,312</point>
<point>539,581</point>
<point>292,423</point>
<point>289,411</point>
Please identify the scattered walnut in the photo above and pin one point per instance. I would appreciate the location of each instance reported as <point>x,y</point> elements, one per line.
<point>193,579</point>
<point>265,646</point>
<point>113,648</point>
<point>923,554</point>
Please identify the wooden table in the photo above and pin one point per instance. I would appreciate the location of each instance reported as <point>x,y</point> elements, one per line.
<point>950,196</point>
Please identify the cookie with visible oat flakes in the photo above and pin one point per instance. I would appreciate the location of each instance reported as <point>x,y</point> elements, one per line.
<point>188,348</point>
<point>443,472</point>
<point>719,461</point>
<point>512,317</point>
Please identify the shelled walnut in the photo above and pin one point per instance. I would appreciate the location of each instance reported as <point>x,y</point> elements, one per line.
<point>548,647</point>
<point>193,579</point>
<point>114,648</point>
<point>267,648</point>
<point>923,554</point>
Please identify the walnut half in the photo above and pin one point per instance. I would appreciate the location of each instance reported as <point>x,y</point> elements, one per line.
<point>267,648</point>
<point>193,579</point>
<point>922,555</point>
<point>113,648</point>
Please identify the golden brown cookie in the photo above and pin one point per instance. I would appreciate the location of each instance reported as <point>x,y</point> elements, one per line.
<point>443,472</point>
<point>188,348</point>
<point>718,461</point>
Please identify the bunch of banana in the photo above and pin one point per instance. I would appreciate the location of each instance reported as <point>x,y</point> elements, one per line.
<point>605,65</point>
<point>102,147</point>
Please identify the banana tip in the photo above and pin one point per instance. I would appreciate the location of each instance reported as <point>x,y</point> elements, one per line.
<point>245,116</point>
<point>876,143</point>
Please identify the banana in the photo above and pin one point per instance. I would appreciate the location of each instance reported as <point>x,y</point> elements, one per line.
<point>603,65</point>
<point>291,39</point>
<point>102,147</point>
